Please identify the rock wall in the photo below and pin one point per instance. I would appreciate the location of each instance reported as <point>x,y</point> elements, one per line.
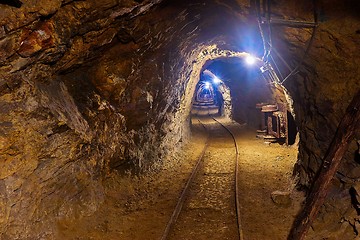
<point>325,84</point>
<point>59,134</point>
<point>87,87</point>
<point>322,90</point>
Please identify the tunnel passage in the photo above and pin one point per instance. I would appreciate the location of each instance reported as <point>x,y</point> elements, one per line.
<point>235,87</point>
<point>209,95</point>
<point>86,86</point>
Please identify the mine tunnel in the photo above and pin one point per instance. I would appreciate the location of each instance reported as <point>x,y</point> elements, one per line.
<point>160,119</point>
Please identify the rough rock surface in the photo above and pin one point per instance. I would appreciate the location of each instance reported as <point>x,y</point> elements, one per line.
<point>58,133</point>
<point>280,198</point>
<point>321,91</point>
<point>88,86</point>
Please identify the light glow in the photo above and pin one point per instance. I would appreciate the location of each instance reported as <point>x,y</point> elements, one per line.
<point>216,79</point>
<point>250,60</point>
<point>207,85</point>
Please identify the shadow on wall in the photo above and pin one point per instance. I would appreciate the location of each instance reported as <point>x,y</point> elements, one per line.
<point>357,153</point>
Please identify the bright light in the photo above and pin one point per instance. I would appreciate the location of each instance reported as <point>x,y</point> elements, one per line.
<point>216,79</point>
<point>250,59</point>
<point>207,85</point>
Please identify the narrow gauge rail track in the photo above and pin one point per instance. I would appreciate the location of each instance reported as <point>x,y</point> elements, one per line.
<point>186,192</point>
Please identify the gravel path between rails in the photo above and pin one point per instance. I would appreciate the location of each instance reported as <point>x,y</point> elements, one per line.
<point>139,207</point>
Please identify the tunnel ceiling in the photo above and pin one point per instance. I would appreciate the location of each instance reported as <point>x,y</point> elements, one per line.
<point>89,87</point>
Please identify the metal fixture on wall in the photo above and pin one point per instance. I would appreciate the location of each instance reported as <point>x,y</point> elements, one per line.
<point>273,123</point>
<point>265,22</point>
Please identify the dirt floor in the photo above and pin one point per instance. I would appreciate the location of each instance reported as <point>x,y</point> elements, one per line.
<point>268,198</point>
<point>209,210</point>
<point>139,207</point>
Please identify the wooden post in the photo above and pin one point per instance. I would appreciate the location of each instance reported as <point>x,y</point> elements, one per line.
<point>336,151</point>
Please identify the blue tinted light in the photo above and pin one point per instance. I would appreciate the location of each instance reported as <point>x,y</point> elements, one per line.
<point>207,85</point>
<point>216,79</point>
<point>250,59</point>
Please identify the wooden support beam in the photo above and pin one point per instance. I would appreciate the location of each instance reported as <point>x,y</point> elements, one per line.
<point>344,134</point>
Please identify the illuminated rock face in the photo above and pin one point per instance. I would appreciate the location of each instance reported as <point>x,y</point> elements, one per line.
<point>325,86</point>
<point>87,87</point>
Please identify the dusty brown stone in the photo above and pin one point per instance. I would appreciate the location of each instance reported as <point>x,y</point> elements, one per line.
<point>6,47</point>
<point>40,38</point>
<point>99,85</point>
<point>282,199</point>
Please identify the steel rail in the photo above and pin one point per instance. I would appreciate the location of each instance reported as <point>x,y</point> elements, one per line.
<point>184,192</point>
<point>237,201</point>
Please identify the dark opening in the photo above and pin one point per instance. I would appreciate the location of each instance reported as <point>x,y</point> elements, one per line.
<point>274,123</point>
<point>246,87</point>
<point>292,129</point>
<point>12,3</point>
<point>206,98</point>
